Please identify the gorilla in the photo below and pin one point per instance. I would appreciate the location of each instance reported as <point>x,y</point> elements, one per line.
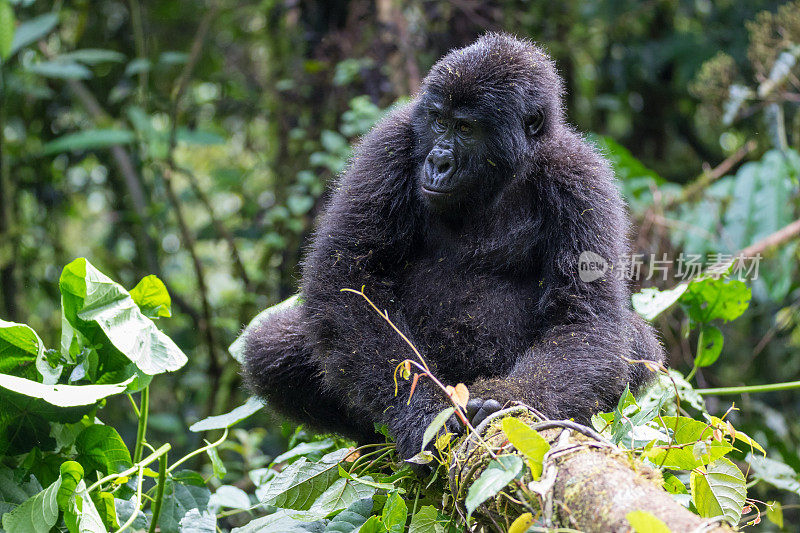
<point>463,215</point>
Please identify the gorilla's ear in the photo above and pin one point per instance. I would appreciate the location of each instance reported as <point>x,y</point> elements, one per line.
<point>534,122</point>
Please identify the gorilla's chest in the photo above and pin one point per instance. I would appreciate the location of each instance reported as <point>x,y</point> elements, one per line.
<point>467,323</point>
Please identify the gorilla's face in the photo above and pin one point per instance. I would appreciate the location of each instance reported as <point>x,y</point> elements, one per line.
<point>469,151</point>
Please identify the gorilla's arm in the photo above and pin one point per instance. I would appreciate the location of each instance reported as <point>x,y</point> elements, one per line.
<point>362,241</point>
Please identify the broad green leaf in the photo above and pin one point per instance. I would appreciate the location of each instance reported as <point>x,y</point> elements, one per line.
<point>62,395</point>
<point>709,346</point>
<point>184,491</point>
<point>88,140</point>
<point>339,496</point>
<point>32,30</point>
<point>645,522</point>
<point>312,450</point>
<point>195,521</point>
<point>774,472</point>
<point>151,295</point>
<point>71,474</point>
<point>528,441</point>
<point>8,25</point>
<point>101,309</point>
<point>373,525</point>
<point>427,520</point>
<point>433,428</point>
<point>351,518</point>
<point>687,432</point>
<point>19,346</point>
<point>92,56</point>
<point>101,448</point>
<point>301,483</point>
<point>80,513</point>
<point>367,480</point>
<point>282,521</point>
<point>395,513</point>
<point>104,503</point>
<point>252,405</point>
<point>35,515</point>
<point>672,484</point>
<point>650,302</point>
<point>707,299</point>
<point>60,70</point>
<point>719,489</point>
<point>497,475</point>
<point>236,349</point>
<point>229,497</point>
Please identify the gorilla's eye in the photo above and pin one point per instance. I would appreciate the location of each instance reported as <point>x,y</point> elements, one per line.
<point>534,123</point>
<point>465,128</point>
<point>439,120</point>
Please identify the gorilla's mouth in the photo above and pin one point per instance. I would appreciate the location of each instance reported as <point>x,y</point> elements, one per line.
<point>437,192</point>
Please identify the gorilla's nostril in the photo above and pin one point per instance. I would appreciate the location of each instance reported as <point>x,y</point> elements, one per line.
<point>443,167</point>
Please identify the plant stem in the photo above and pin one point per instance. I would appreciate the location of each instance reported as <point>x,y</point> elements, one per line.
<point>162,476</point>
<point>199,451</point>
<point>146,461</point>
<point>135,510</point>
<point>142,429</point>
<point>769,387</point>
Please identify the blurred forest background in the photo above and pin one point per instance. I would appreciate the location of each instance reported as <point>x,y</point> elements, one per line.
<point>196,141</point>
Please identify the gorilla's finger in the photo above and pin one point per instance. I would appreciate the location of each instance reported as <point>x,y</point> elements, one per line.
<point>453,425</point>
<point>488,407</point>
<point>473,406</point>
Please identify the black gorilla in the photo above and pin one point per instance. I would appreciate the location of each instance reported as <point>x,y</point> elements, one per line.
<point>463,214</point>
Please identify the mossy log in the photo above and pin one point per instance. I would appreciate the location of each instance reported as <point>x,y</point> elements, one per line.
<point>587,483</point>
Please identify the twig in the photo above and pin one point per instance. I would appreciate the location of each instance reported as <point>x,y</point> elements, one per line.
<point>781,236</point>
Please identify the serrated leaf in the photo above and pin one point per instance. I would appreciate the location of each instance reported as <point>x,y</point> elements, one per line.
<point>312,450</point>
<point>32,30</point>
<point>709,346</point>
<point>282,521</point>
<point>645,522</point>
<point>101,448</point>
<point>367,480</point>
<point>252,405</point>
<point>433,428</point>
<point>528,441</point>
<point>719,489</point>
<point>8,25</point>
<point>499,473</point>
<point>395,513</point>
<point>103,310</point>
<point>37,514</point>
<point>301,483</point>
<point>352,518</point>
<point>88,140</point>
<point>339,496</point>
<point>427,520</point>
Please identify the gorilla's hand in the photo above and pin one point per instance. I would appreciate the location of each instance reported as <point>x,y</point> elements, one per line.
<point>477,411</point>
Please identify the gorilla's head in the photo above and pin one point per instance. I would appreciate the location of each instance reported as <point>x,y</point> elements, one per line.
<point>480,118</point>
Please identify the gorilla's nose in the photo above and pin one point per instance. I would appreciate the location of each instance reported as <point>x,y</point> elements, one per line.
<point>441,164</point>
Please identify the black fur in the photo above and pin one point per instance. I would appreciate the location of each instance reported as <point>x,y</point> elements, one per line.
<point>484,283</point>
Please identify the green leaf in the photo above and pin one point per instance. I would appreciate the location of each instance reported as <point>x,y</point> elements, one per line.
<point>19,346</point>
<point>8,25</point>
<point>237,348</point>
<point>93,56</point>
<point>433,428</point>
<point>672,484</point>
<point>101,309</point>
<point>60,70</point>
<point>339,496</point>
<point>302,482</point>
<point>88,140</point>
<point>312,450</point>
<point>373,525</point>
<point>104,503</point>
<point>528,441</point>
<point>62,395</point>
<point>195,521</point>
<point>395,513</point>
<point>497,475</point>
<point>687,432</point>
<point>32,30</point>
<point>216,463</point>
<point>427,520</point>
<point>37,514</point>
<point>183,491</point>
<point>775,513</point>
<point>151,295</point>
<point>644,522</point>
<point>774,472</point>
<point>71,474</point>
<point>101,448</point>
<point>719,489</point>
<point>282,521</point>
<point>352,518</point>
<point>252,405</point>
<point>80,513</point>
<point>230,497</point>
<point>707,299</point>
<point>709,346</point>
<point>650,303</point>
